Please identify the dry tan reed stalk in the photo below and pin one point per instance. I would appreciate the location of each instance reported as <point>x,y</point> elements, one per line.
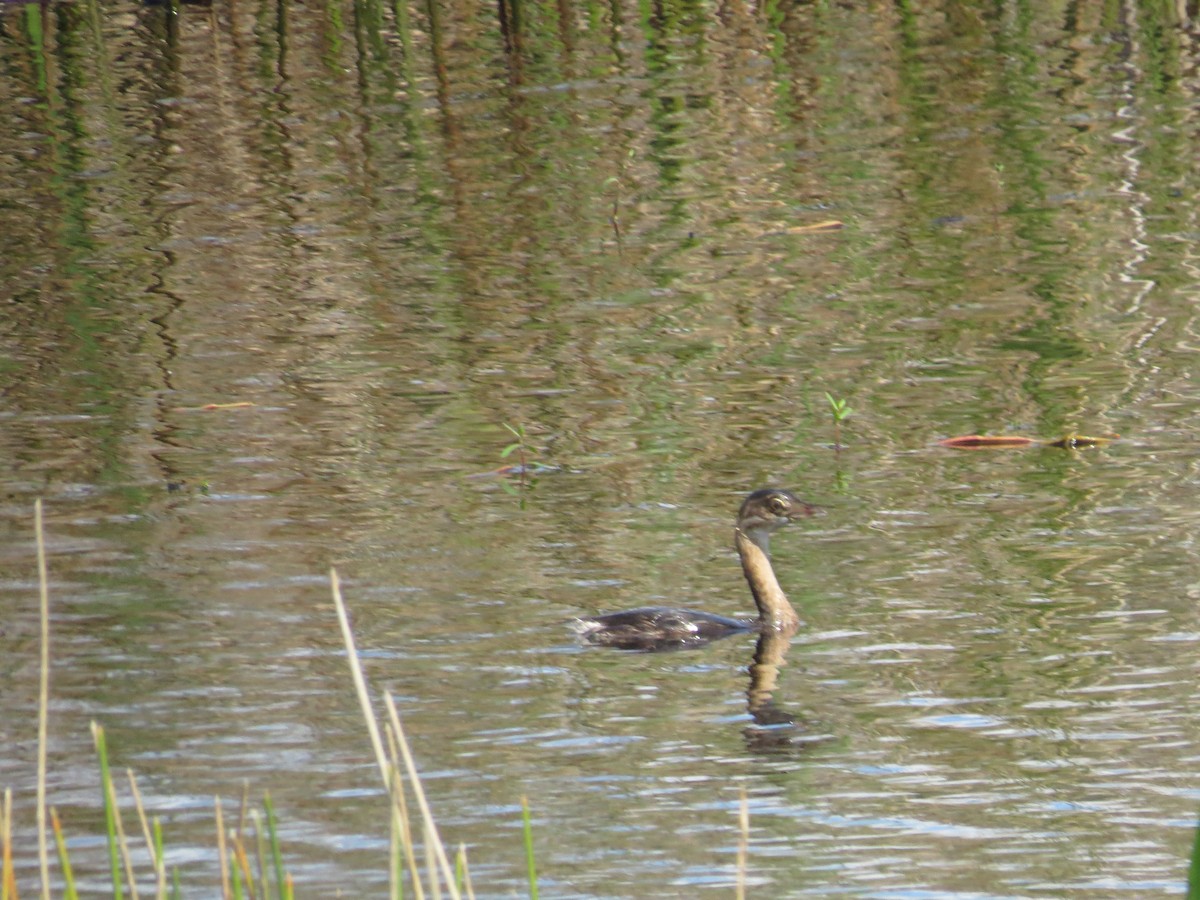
<point>122,841</point>
<point>419,792</point>
<point>466,870</point>
<point>222,851</point>
<point>390,771</point>
<point>160,869</point>
<point>435,883</point>
<point>400,810</point>
<point>43,699</point>
<point>242,858</point>
<point>360,682</point>
<point>433,840</point>
<point>8,882</point>
<point>60,842</point>
<point>239,842</point>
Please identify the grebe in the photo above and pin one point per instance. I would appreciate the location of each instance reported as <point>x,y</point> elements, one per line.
<point>664,628</point>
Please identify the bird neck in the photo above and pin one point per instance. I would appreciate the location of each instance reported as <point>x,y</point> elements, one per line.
<point>774,610</point>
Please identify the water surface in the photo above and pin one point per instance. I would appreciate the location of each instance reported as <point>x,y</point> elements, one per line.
<point>277,277</point>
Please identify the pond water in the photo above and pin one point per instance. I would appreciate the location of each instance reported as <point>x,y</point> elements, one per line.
<point>276,277</point>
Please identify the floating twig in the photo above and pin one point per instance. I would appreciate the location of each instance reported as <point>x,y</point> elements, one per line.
<point>1015,441</point>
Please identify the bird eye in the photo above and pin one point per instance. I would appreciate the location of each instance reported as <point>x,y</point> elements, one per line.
<point>778,506</point>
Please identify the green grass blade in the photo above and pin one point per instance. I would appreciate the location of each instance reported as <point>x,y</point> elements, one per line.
<point>159,858</point>
<point>529,862</point>
<point>466,887</point>
<point>1193,890</point>
<point>222,851</point>
<point>110,813</point>
<point>64,859</point>
<point>235,879</point>
<point>281,884</point>
<point>396,857</point>
<point>260,853</point>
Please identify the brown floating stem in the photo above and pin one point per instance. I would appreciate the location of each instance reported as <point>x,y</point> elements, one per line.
<point>1009,441</point>
<point>979,441</point>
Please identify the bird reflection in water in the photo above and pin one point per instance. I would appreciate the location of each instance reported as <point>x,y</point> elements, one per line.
<point>772,729</point>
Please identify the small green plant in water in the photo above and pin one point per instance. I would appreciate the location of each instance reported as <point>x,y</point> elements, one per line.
<point>523,469</point>
<point>841,412</point>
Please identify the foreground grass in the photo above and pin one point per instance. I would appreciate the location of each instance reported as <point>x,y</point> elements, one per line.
<point>251,862</point>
